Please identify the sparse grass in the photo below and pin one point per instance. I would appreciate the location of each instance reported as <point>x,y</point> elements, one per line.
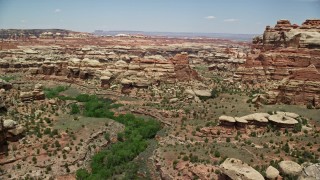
<point>8,78</point>
<point>65,122</point>
<point>54,92</point>
<point>71,92</point>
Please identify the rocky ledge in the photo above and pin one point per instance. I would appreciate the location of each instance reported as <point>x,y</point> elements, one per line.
<point>286,56</point>
<point>280,119</point>
<point>108,69</point>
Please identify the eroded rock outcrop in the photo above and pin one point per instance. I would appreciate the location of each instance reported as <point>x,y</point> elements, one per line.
<point>290,168</point>
<point>10,130</point>
<point>36,94</point>
<point>310,172</point>
<point>289,56</point>
<point>235,169</point>
<point>279,118</point>
<point>116,67</point>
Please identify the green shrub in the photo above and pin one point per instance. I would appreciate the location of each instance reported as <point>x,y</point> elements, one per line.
<point>253,134</point>
<point>107,136</point>
<point>297,127</point>
<point>214,93</point>
<point>217,154</point>
<point>185,158</point>
<point>309,106</point>
<point>117,159</point>
<point>74,109</point>
<point>8,78</point>
<point>54,92</point>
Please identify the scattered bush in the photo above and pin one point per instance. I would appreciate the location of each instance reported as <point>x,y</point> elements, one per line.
<point>107,136</point>
<point>54,92</point>
<point>74,109</point>
<point>217,154</point>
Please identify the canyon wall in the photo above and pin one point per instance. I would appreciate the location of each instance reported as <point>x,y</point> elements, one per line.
<point>109,66</point>
<point>287,56</point>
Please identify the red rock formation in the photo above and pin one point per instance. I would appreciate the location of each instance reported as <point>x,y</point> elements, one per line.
<point>311,23</point>
<point>289,54</point>
<point>283,25</point>
<point>182,69</point>
<point>180,59</point>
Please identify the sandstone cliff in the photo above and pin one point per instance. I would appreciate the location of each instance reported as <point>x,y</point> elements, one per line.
<point>112,66</point>
<point>288,56</point>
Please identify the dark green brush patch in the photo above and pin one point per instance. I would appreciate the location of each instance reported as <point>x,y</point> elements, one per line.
<point>117,160</point>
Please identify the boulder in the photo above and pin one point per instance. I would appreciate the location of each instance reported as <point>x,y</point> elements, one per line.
<point>197,99</point>
<point>141,82</point>
<point>289,114</point>
<point>235,169</point>
<point>190,92</point>
<point>290,168</point>
<point>282,120</point>
<point>173,100</point>
<point>126,82</point>
<point>86,49</point>
<point>74,62</point>
<point>26,94</point>
<point>307,178</point>
<point>311,172</point>
<point>52,101</point>
<point>203,93</point>
<point>121,64</point>
<point>105,78</point>
<point>9,124</point>
<point>67,149</point>
<point>19,130</point>
<point>90,63</point>
<point>272,173</point>
<point>38,86</point>
<point>30,51</point>
<point>227,118</point>
<point>106,73</point>
<point>306,128</point>
<point>240,120</point>
<point>258,117</point>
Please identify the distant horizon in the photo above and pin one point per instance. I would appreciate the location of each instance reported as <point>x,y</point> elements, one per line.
<point>124,31</point>
<point>206,16</point>
<point>172,32</point>
<point>226,36</point>
<point>127,31</point>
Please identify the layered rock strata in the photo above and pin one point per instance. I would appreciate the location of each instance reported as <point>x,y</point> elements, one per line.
<point>116,67</point>
<point>288,56</point>
<point>36,94</point>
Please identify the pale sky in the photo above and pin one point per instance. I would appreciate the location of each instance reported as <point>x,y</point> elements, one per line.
<point>210,16</point>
